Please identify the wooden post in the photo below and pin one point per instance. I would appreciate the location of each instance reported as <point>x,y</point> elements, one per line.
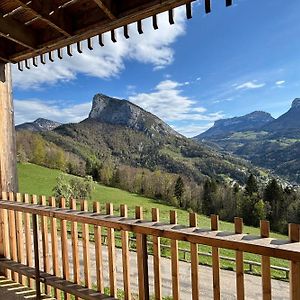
<point>294,236</point>
<point>8,165</point>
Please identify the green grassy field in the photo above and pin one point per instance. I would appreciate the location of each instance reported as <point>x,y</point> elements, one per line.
<point>39,180</point>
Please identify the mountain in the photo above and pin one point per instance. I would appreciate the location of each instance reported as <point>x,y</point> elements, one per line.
<point>125,134</point>
<point>124,113</point>
<point>38,125</point>
<point>252,121</point>
<point>288,124</point>
<point>274,145</point>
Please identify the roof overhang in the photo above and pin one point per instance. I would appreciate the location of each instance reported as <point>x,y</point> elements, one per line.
<point>29,29</point>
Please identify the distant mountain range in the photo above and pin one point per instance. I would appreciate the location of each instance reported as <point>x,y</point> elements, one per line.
<point>38,125</point>
<point>123,132</point>
<point>265,141</point>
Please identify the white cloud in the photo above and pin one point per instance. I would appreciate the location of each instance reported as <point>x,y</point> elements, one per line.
<point>153,47</point>
<point>168,103</point>
<point>31,109</point>
<point>280,82</point>
<point>249,85</point>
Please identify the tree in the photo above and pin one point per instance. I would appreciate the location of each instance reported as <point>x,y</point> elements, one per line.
<point>39,150</point>
<point>251,185</point>
<point>179,190</point>
<point>274,195</point>
<point>209,197</point>
<point>73,187</point>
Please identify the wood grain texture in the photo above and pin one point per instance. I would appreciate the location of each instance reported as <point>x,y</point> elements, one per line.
<point>216,260</point>
<point>125,255</point>
<point>8,156</point>
<point>239,260</point>
<point>174,260</point>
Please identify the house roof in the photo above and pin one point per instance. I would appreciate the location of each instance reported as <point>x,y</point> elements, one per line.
<point>36,31</point>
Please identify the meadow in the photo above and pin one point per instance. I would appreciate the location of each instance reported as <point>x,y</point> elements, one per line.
<point>38,180</point>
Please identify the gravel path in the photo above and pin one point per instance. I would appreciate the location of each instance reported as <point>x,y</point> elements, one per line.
<point>280,289</point>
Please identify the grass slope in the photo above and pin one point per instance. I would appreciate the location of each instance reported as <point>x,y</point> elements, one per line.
<point>39,180</point>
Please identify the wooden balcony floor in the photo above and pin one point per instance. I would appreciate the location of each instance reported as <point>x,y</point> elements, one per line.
<point>10,290</point>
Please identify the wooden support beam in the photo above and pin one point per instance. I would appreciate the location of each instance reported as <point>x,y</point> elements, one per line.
<point>106,8</point>
<point>46,11</point>
<point>17,32</point>
<point>8,165</point>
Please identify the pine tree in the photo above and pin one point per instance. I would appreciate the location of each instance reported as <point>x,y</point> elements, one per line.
<point>251,185</point>
<point>179,190</point>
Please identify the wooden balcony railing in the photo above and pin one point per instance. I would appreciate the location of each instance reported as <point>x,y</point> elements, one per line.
<point>37,250</point>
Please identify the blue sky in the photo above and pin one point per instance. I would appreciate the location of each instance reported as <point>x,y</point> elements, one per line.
<point>224,64</point>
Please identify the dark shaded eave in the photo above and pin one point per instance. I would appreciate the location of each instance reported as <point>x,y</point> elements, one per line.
<point>31,29</point>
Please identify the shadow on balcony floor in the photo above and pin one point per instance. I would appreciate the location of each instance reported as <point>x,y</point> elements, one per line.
<point>10,290</point>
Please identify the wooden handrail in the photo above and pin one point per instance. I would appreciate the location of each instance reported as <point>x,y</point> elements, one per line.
<point>240,242</point>
<point>24,212</point>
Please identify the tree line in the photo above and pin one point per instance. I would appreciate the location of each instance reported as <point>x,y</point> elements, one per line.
<point>252,202</point>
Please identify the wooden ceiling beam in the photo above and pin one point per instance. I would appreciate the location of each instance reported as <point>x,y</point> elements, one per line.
<point>106,8</point>
<point>124,18</point>
<point>17,32</point>
<point>45,11</point>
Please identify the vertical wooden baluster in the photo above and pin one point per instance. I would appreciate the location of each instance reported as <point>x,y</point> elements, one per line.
<point>28,241</point>
<point>5,251</point>
<point>111,254</point>
<point>20,238</point>
<point>156,258</point>
<point>142,259</point>
<point>266,264</point>
<point>54,243</point>
<point>125,255</point>
<point>194,260</point>
<point>239,259</point>
<point>45,243</point>
<point>74,237</point>
<point>86,248</point>
<point>13,236</point>
<point>174,259</point>
<point>215,260</point>
<point>98,251</point>
<point>64,248</point>
<point>294,236</point>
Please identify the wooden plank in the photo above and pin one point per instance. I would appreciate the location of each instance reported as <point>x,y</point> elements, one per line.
<point>174,260</point>
<point>266,264</point>
<point>13,235</point>
<point>239,258</point>
<point>194,260</point>
<point>106,8</point>
<point>156,258</point>
<point>8,162</point>
<point>98,251</point>
<point>125,255</point>
<point>64,249</point>
<point>47,12</point>
<point>75,255</point>
<point>45,243</point>
<point>20,238</point>
<point>111,254</point>
<point>142,259</point>
<point>4,247</point>
<point>17,32</point>
<point>54,244</point>
<point>216,260</point>
<point>294,236</point>
<point>56,282</point>
<point>86,248</point>
<point>28,241</point>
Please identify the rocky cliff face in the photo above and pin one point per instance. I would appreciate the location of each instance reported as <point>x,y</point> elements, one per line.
<point>252,121</point>
<point>124,113</point>
<point>38,125</point>
<point>290,121</point>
